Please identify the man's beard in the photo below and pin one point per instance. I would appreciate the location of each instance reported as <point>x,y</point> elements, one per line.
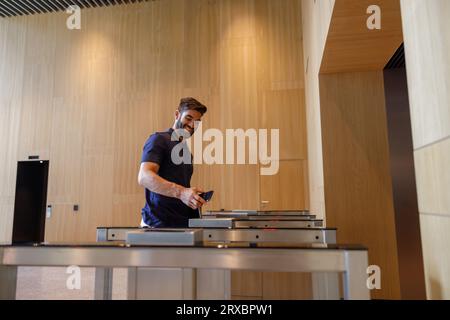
<point>179,125</point>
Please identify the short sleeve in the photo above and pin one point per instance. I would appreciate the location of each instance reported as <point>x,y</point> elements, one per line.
<point>154,149</point>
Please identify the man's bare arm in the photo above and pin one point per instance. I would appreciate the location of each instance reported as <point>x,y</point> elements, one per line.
<point>148,178</point>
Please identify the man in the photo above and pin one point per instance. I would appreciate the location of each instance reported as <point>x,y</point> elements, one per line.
<point>170,200</point>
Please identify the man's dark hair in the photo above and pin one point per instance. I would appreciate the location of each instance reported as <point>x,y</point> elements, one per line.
<point>191,104</point>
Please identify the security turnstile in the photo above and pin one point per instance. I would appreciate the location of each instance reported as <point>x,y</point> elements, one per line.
<point>224,226</point>
<point>165,237</point>
<point>307,235</point>
<point>246,222</point>
<point>209,283</point>
<point>349,261</point>
<point>257,213</point>
<point>262,218</point>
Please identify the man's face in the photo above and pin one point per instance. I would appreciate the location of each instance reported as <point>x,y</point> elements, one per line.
<point>187,119</point>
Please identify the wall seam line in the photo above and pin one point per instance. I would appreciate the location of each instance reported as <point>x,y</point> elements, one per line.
<point>432,143</point>
<point>442,215</point>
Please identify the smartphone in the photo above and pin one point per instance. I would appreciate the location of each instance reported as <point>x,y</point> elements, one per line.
<point>207,195</point>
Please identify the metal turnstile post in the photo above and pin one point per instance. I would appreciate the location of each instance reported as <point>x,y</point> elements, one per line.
<point>103,283</point>
<point>8,281</point>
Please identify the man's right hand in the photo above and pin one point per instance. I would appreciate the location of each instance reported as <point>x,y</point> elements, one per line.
<point>191,198</point>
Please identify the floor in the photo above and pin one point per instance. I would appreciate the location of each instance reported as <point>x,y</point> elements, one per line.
<point>53,283</point>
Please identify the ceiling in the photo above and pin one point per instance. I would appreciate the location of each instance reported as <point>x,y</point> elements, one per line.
<point>11,8</point>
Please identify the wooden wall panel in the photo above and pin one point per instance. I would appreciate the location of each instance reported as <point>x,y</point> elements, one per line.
<point>37,90</point>
<point>12,48</point>
<point>247,284</point>
<point>274,194</point>
<point>351,46</point>
<point>66,150</point>
<point>245,298</point>
<point>287,286</point>
<point>358,186</point>
<point>433,178</point>
<point>96,194</point>
<point>435,240</point>
<point>284,46</point>
<point>6,217</point>
<point>427,43</point>
<point>62,221</point>
<point>284,110</point>
<point>316,17</point>
<point>201,61</point>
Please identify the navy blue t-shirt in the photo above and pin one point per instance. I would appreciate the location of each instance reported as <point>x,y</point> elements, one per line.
<point>161,211</point>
